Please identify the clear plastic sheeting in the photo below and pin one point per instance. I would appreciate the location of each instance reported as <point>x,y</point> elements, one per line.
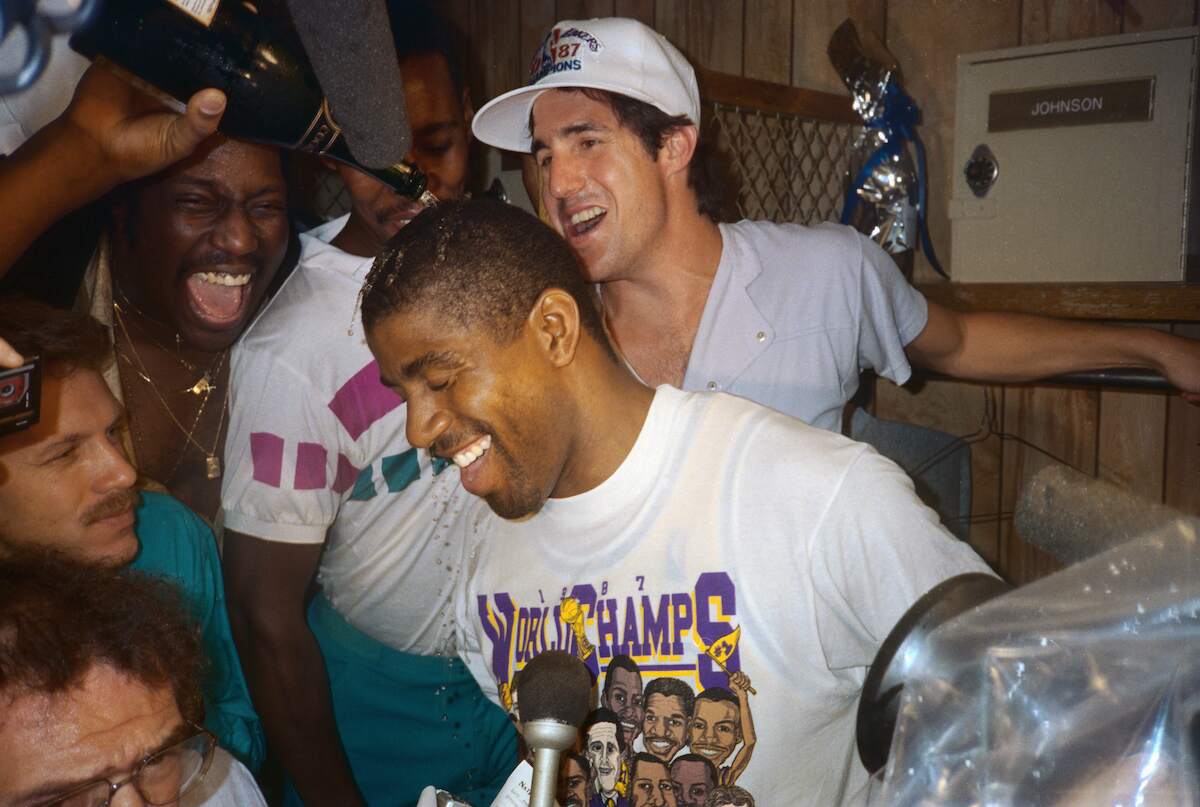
<point>1081,689</point>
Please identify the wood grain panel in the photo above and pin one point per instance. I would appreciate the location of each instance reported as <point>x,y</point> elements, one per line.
<point>1056,20</point>
<point>767,40</point>
<point>1061,426</point>
<point>584,9</point>
<point>1155,15</point>
<point>1182,473</point>
<point>1132,441</point>
<point>961,410</point>
<point>497,39</point>
<point>709,32</point>
<point>926,37</point>
<point>813,24</point>
<point>536,18</point>
<point>1150,302</point>
<point>636,9</point>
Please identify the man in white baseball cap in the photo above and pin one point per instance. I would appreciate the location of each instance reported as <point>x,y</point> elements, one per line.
<point>783,314</point>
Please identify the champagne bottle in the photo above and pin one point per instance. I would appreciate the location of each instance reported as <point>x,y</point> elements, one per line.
<point>252,53</point>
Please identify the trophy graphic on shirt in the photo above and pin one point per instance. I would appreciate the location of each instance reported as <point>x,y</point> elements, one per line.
<point>721,649</point>
<point>572,614</point>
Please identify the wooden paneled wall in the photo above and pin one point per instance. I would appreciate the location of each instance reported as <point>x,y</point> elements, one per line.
<point>1147,442</point>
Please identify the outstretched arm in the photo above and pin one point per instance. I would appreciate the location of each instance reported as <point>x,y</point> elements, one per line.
<point>1020,347</point>
<point>265,584</point>
<point>739,682</point>
<point>111,133</point>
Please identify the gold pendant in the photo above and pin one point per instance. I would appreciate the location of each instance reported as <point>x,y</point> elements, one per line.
<point>201,387</point>
<point>213,466</point>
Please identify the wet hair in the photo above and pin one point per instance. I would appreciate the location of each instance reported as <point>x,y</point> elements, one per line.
<point>479,264</point>
<point>65,340</point>
<point>673,688</point>
<point>603,715</point>
<point>418,28</point>
<point>709,767</point>
<point>708,175</point>
<point>620,662</point>
<point>60,619</point>
<point>728,794</point>
<point>719,694</point>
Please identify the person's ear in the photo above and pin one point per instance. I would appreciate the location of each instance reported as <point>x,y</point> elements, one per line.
<point>554,321</point>
<point>677,150</point>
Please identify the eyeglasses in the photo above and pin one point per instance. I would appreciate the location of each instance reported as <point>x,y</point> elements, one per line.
<point>160,779</point>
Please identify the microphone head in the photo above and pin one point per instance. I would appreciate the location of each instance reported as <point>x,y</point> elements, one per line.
<point>349,44</point>
<point>557,686</point>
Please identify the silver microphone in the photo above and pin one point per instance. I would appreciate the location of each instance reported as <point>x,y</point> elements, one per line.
<point>554,692</point>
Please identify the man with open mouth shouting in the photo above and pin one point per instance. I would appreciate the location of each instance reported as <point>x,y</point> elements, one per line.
<point>187,252</point>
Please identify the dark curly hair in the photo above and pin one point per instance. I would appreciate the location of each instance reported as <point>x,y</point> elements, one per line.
<point>66,341</point>
<point>59,619</point>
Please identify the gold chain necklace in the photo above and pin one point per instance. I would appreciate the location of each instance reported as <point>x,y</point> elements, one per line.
<point>207,381</point>
<point>212,463</point>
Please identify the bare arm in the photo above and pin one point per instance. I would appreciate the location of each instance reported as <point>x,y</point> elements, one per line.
<point>1020,347</point>
<point>739,682</point>
<point>265,584</point>
<point>111,133</point>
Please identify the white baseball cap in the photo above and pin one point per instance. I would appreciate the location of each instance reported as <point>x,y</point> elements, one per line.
<point>616,54</point>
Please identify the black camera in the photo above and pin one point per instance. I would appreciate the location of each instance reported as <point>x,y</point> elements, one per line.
<point>20,396</point>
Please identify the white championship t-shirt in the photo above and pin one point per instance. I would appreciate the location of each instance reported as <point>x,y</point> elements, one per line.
<point>786,551</point>
<point>316,452</point>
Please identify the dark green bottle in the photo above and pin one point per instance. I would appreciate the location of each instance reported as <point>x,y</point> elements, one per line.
<point>248,50</point>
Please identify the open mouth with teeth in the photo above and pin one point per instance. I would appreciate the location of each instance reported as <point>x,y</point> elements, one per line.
<point>708,751</point>
<point>586,220</point>
<point>471,461</point>
<point>659,748</point>
<point>218,299</point>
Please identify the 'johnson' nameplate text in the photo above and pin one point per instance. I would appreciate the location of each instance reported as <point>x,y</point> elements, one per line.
<point>1075,105</point>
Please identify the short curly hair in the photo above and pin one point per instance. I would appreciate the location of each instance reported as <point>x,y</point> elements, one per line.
<point>59,619</point>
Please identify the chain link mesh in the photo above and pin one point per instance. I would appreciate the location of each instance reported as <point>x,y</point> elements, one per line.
<point>330,198</point>
<point>787,168</point>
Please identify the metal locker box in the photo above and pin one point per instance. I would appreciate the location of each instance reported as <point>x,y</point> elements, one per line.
<point>1077,161</point>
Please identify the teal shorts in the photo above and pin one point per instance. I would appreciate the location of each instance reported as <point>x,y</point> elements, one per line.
<point>408,721</point>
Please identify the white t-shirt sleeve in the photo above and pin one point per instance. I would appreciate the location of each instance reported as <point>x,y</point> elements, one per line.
<point>892,313</point>
<point>869,564</point>
<point>283,475</point>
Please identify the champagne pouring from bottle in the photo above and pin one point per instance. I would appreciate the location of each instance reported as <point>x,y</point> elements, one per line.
<point>272,61</point>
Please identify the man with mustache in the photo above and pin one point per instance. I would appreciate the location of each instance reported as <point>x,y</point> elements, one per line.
<point>186,244</point>
<point>721,720</point>
<point>361,693</point>
<point>67,489</point>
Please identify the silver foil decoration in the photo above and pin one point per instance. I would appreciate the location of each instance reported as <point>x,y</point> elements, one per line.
<point>884,211</point>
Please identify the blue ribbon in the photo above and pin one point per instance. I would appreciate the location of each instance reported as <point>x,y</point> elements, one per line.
<point>898,122</point>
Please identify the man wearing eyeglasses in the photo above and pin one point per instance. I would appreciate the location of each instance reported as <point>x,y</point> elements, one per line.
<point>100,701</point>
